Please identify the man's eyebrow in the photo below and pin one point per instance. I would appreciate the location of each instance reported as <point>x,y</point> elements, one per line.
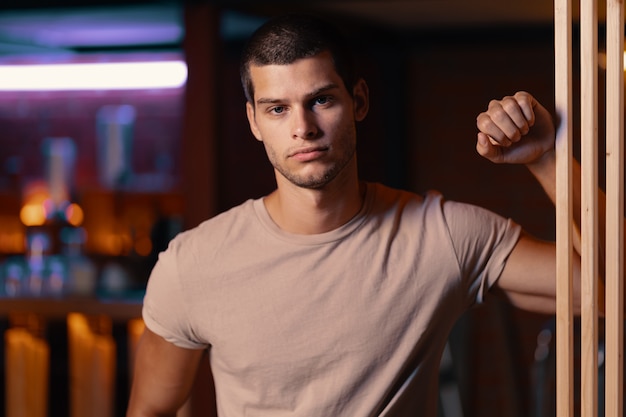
<point>323,89</point>
<point>268,100</point>
<point>317,91</point>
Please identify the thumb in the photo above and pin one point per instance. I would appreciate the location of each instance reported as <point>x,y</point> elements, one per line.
<point>487,149</point>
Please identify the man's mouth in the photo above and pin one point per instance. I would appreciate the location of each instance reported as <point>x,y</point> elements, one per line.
<point>309,154</point>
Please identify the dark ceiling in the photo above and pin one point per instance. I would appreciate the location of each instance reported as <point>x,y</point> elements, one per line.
<point>45,25</point>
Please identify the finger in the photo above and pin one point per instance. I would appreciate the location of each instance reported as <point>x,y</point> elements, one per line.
<point>507,115</point>
<point>527,104</point>
<point>493,125</point>
<point>488,148</point>
<point>518,112</point>
<point>511,118</point>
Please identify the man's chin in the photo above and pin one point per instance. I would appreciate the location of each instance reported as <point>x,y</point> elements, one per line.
<point>312,183</point>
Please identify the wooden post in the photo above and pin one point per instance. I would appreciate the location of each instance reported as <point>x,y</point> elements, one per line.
<point>614,339</point>
<point>589,206</point>
<point>614,225</point>
<point>564,218</point>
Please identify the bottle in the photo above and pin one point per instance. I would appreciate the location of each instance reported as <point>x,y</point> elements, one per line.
<point>82,274</point>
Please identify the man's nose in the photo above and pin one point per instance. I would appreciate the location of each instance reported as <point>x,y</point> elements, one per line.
<point>304,124</point>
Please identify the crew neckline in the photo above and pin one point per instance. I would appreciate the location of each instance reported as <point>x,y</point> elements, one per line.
<point>319,238</point>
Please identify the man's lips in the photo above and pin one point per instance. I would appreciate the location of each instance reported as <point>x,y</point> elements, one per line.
<point>308,154</point>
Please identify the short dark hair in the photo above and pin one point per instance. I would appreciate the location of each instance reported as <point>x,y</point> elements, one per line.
<point>285,39</point>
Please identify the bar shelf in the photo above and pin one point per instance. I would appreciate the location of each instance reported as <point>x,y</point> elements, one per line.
<point>59,308</point>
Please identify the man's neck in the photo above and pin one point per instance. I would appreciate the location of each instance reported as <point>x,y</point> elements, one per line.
<point>313,211</point>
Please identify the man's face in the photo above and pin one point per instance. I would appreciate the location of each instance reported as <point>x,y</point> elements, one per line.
<point>305,118</point>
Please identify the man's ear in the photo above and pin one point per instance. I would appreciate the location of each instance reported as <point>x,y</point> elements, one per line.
<point>252,122</point>
<point>361,99</point>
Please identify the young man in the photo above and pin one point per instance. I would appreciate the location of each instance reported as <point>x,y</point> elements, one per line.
<point>331,296</point>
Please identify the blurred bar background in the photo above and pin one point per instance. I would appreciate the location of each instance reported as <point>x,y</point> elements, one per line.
<point>96,179</point>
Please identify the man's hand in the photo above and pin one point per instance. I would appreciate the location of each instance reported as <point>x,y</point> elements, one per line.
<point>515,130</point>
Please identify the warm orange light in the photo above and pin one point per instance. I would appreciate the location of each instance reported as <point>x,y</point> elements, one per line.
<point>33,214</point>
<point>74,214</point>
<point>114,244</point>
<point>11,235</point>
<point>35,199</point>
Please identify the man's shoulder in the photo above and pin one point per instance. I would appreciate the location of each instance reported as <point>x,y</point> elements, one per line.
<point>219,226</point>
<point>387,195</point>
<point>430,199</point>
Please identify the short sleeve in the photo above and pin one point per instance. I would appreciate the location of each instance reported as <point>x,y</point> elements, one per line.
<point>483,241</point>
<point>164,307</point>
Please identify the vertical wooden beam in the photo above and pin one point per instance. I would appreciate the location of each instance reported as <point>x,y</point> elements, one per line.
<point>199,147</point>
<point>564,218</point>
<point>589,206</point>
<point>614,339</point>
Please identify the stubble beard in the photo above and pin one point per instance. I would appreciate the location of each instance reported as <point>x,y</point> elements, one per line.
<point>320,180</point>
<point>315,181</point>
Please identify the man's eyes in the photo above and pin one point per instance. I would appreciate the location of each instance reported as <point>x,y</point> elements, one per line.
<point>277,109</point>
<point>322,100</point>
<point>317,101</point>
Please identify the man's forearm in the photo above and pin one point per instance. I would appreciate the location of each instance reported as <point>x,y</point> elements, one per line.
<point>544,171</point>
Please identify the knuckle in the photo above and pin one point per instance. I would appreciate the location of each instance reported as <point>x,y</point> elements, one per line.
<point>509,103</point>
<point>483,121</point>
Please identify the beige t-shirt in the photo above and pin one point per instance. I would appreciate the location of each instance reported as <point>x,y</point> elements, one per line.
<point>350,322</point>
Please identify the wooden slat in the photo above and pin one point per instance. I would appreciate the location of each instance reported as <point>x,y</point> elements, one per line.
<point>614,209</point>
<point>589,206</point>
<point>564,218</point>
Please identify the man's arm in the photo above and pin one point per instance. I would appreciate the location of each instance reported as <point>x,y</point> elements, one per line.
<point>528,279</point>
<point>163,377</point>
<point>517,129</point>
